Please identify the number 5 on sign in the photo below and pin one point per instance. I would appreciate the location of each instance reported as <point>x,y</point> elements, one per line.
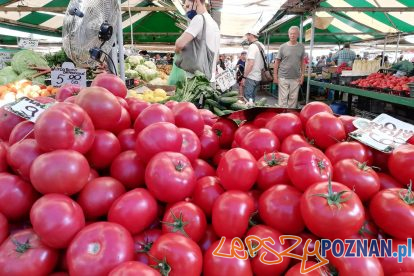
<point>68,74</point>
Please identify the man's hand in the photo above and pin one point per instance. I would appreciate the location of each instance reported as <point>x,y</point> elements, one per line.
<point>242,82</point>
<point>301,79</point>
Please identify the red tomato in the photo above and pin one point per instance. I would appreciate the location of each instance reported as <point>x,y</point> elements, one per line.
<point>23,130</point>
<point>127,139</point>
<point>242,131</point>
<point>358,176</point>
<point>206,191</point>
<point>124,122</point>
<point>295,270</point>
<point>156,138</point>
<point>98,195</point>
<point>272,170</point>
<point>259,142</point>
<point>332,210</point>
<point>411,140</point>
<point>237,170</point>
<point>23,253</point>
<point>380,159</point>
<point>299,249</point>
<point>67,91</point>
<point>401,162</point>
<point>8,121</point>
<point>307,166</point>
<point>4,228</point>
<point>56,219</point>
<point>98,248</point>
<point>264,117</point>
<point>349,150</point>
<point>102,106</point>
<point>392,211</point>
<point>231,213</point>
<point>170,177</point>
<point>218,156</point>
<point>70,99</point>
<point>202,168</point>
<point>170,104</point>
<point>154,113</point>
<point>293,142</point>
<point>391,265</point>
<point>347,121</point>
<point>64,126</point>
<point>133,269</point>
<point>325,129</point>
<point>20,157</point>
<point>191,146</point>
<point>186,115</point>
<point>285,124</point>
<point>60,171</point>
<point>129,169</point>
<point>209,117</point>
<point>185,218</point>
<point>135,107</point>
<point>279,208</point>
<point>135,210</point>
<point>3,157</point>
<point>217,266</point>
<point>113,83</point>
<point>209,143</point>
<point>16,196</point>
<point>388,182</point>
<point>225,129</point>
<point>104,149</point>
<point>175,255</point>
<point>356,266</point>
<point>368,231</point>
<point>258,267</point>
<point>313,108</point>
<point>143,243</point>
<point>208,238</point>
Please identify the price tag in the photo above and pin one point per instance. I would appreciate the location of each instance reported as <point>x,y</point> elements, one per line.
<point>384,133</point>
<point>28,43</point>
<point>225,80</point>
<point>5,56</point>
<point>27,108</point>
<point>68,73</point>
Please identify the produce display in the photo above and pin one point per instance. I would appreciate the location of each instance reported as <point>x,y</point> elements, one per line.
<point>138,67</point>
<point>386,82</point>
<point>24,88</point>
<point>365,67</point>
<point>102,184</point>
<point>158,95</point>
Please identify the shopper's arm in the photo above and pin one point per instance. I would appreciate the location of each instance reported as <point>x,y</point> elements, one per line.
<point>302,71</point>
<point>249,67</point>
<point>276,70</point>
<point>183,40</point>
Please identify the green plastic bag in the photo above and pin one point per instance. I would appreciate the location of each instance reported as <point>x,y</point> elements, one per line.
<point>177,74</point>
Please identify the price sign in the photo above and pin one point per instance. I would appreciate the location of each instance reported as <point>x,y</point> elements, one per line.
<point>28,43</point>
<point>225,80</point>
<point>384,133</point>
<point>27,108</point>
<point>5,56</point>
<point>68,74</point>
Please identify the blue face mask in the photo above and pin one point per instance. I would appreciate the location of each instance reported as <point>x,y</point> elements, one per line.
<point>191,13</point>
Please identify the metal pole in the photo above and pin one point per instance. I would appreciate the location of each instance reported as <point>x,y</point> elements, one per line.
<point>396,50</point>
<point>120,38</point>
<point>310,56</point>
<point>301,29</point>
<point>383,53</point>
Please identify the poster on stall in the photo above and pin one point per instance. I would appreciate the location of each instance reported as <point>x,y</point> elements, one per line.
<point>384,133</point>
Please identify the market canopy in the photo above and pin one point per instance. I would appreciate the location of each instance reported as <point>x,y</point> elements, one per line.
<point>338,21</point>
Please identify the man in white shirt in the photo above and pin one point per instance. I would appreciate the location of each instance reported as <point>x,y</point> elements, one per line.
<point>196,9</point>
<point>254,65</point>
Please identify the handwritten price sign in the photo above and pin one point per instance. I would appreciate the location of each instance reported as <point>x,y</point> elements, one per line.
<point>384,133</point>
<point>68,74</point>
<point>225,80</point>
<point>5,56</point>
<point>28,43</point>
<point>27,108</point>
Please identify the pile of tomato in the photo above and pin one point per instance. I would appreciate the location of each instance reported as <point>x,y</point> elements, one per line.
<point>385,81</point>
<point>102,184</point>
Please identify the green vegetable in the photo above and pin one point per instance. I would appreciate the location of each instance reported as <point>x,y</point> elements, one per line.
<point>226,112</point>
<point>238,106</point>
<point>212,103</point>
<point>22,60</point>
<point>261,102</point>
<point>217,111</point>
<point>57,58</point>
<point>127,67</point>
<point>131,74</point>
<point>150,65</point>
<point>228,100</point>
<point>230,94</point>
<point>135,60</point>
<point>7,75</point>
<point>28,76</point>
<point>404,66</point>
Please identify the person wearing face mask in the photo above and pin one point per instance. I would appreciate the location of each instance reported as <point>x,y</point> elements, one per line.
<point>197,13</point>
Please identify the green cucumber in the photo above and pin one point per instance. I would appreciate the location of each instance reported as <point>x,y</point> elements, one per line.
<point>261,102</point>
<point>212,103</point>
<point>226,112</point>
<point>230,94</point>
<point>228,100</point>
<point>217,111</point>
<point>238,106</point>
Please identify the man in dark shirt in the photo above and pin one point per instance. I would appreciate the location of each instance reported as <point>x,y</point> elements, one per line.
<point>241,64</point>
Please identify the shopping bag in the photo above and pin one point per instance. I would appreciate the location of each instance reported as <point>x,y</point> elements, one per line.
<point>177,74</point>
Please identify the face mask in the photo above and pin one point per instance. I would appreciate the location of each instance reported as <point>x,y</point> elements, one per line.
<point>191,13</point>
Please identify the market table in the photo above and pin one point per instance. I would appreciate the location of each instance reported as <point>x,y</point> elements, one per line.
<point>352,91</point>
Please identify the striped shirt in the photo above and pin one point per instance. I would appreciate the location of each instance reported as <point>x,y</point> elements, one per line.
<point>344,56</point>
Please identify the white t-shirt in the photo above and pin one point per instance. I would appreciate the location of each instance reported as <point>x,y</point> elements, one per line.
<point>212,36</point>
<point>253,53</point>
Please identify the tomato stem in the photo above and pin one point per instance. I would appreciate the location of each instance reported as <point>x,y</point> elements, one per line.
<point>218,132</point>
<point>21,247</point>
<point>180,166</point>
<point>364,230</point>
<point>273,161</point>
<point>162,266</point>
<point>78,131</point>
<point>334,198</point>
<point>321,166</point>
<point>408,197</point>
<point>363,166</point>
<point>178,224</point>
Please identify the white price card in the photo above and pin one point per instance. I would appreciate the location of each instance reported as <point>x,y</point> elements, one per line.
<point>27,108</point>
<point>384,133</point>
<point>5,56</point>
<point>68,74</point>
<point>225,80</point>
<point>28,43</point>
